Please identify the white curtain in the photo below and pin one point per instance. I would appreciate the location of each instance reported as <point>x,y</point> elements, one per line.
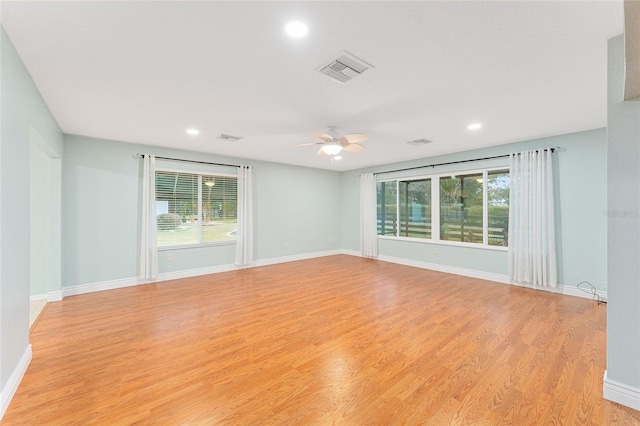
<point>244,235</point>
<point>368,216</point>
<point>532,251</point>
<point>148,246</point>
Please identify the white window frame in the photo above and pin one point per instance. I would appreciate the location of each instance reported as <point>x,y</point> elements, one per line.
<point>397,180</point>
<point>435,208</point>
<point>200,175</point>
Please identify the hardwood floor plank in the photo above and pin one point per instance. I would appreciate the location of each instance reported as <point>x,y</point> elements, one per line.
<point>333,340</point>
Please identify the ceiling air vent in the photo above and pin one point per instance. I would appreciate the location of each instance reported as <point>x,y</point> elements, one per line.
<point>228,138</point>
<point>345,67</point>
<point>419,142</point>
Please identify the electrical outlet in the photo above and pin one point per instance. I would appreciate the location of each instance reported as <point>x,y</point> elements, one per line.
<point>435,251</point>
<point>332,240</point>
<point>286,245</point>
<point>170,257</point>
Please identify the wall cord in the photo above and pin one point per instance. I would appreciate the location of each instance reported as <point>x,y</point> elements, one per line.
<point>591,289</point>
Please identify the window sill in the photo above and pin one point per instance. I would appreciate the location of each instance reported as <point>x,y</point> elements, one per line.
<point>443,243</point>
<point>199,245</point>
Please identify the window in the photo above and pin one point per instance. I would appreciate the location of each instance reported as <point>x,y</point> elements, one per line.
<point>387,208</point>
<point>470,208</point>
<point>195,208</point>
<point>498,207</point>
<point>461,211</point>
<point>415,208</point>
<point>404,208</point>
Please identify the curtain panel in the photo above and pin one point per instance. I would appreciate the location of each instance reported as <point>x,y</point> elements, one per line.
<point>368,216</point>
<point>148,246</point>
<point>532,248</point>
<point>244,235</point>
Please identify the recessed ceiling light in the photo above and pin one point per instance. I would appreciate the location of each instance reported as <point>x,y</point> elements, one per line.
<point>474,126</point>
<point>296,29</point>
<point>193,132</point>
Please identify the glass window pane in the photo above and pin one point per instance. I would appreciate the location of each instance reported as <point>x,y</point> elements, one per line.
<point>177,197</point>
<point>387,212</point>
<point>176,208</point>
<point>415,208</point>
<point>498,200</point>
<point>219,208</point>
<point>461,211</point>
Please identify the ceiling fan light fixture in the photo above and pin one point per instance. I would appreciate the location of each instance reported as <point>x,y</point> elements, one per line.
<point>331,149</point>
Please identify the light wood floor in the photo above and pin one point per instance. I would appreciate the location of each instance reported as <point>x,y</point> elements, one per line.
<point>335,340</point>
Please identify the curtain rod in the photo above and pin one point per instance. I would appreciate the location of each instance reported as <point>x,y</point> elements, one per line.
<point>461,161</point>
<point>187,161</point>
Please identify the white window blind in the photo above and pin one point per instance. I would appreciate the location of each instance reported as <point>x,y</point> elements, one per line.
<point>195,209</point>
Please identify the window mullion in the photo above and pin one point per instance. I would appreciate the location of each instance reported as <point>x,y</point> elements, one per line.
<point>398,208</point>
<point>485,209</point>
<point>199,208</point>
<point>435,208</point>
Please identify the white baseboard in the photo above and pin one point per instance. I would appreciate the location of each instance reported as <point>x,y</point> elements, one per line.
<point>489,276</point>
<point>621,393</point>
<point>14,380</point>
<point>176,275</point>
<point>566,290</point>
<point>34,297</point>
<point>570,290</point>
<point>448,269</point>
<point>166,276</point>
<point>100,286</point>
<point>54,296</point>
<point>295,257</point>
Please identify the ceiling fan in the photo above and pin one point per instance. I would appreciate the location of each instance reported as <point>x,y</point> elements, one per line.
<point>333,144</point>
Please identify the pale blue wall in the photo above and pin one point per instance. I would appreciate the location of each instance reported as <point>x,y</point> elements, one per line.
<point>40,219</point>
<point>623,312</point>
<point>581,207</point>
<point>23,110</point>
<point>102,185</point>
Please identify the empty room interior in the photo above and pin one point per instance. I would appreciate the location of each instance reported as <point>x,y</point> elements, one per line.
<point>422,212</point>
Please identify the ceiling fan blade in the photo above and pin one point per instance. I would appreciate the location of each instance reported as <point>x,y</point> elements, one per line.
<point>353,147</point>
<point>321,152</point>
<point>309,144</point>
<point>355,137</point>
<point>323,136</point>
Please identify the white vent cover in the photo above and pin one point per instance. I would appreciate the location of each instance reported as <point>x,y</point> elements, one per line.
<point>229,138</point>
<point>419,142</point>
<point>345,67</point>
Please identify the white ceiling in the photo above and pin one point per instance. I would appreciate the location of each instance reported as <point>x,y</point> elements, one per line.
<point>145,71</point>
